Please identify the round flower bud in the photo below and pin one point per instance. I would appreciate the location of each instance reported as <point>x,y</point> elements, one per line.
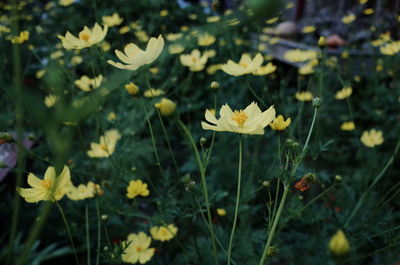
<point>214,85</point>
<point>166,106</point>
<point>132,88</point>
<point>339,245</point>
<point>316,102</point>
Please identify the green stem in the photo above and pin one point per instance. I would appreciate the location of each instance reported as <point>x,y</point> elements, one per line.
<point>237,200</point>
<point>87,234</point>
<point>98,232</point>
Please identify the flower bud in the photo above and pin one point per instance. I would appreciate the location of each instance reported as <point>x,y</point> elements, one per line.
<point>214,85</point>
<point>203,141</point>
<point>316,102</point>
<point>322,41</point>
<point>132,88</point>
<point>339,245</point>
<point>166,106</point>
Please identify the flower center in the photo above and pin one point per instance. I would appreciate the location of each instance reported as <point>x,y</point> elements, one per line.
<point>103,147</point>
<point>245,65</point>
<point>138,248</point>
<point>240,117</point>
<point>46,183</point>
<point>84,36</point>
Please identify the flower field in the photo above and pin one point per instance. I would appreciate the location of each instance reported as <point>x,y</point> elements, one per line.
<point>242,132</point>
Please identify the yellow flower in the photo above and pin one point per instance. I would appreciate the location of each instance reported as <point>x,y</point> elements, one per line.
<point>83,191</point>
<point>265,70</point>
<point>136,188</point>
<point>107,144</point>
<point>4,29</point>
<point>339,245</point>
<point>304,96</point>
<point>164,13</point>
<point>113,20</point>
<point>142,35</point>
<point>221,212</point>
<point>390,48</point>
<point>344,93</point>
<point>132,88</point>
<point>307,68</point>
<point>135,57</point>
<point>164,233</point>
<point>348,126</point>
<point>362,1</point>
<point>87,84</point>
<point>174,36</point>
<point>124,30</point>
<point>279,123</point>
<point>210,53</point>
<point>50,100</point>
<point>48,188</point>
<point>151,93</point>
<point>246,65</point>
<point>195,61</point>
<point>21,38</point>
<point>308,29</point>
<point>66,2</point>
<point>248,121</point>
<point>86,38</point>
<point>165,106</point>
<point>212,69</point>
<point>298,56</point>
<point>372,138</point>
<point>272,20</point>
<point>213,19</point>
<point>368,11</point>
<point>39,74</point>
<point>137,249</point>
<point>75,60</point>
<point>322,41</point>
<point>111,116</point>
<point>348,19</point>
<point>205,39</point>
<point>176,48</point>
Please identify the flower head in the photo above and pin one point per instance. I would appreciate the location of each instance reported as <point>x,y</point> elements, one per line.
<point>246,65</point>
<point>164,233</point>
<point>339,245</point>
<point>372,138</point>
<point>304,96</point>
<point>21,38</point>
<point>136,188</point>
<point>151,93</point>
<point>221,211</point>
<point>83,191</point>
<point>113,20</point>
<point>132,88</point>
<point>206,39</point>
<point>279,123</point>
<point>50,100</point>
<point>137,248</point>
<point>134,57</point>
<point>107,144</point>
<point>195,61</point>
<point>348,126</point>
<point>86,38</point>
<point>87,84</point>
<point>248,121</point>
<point>265,70</point>
<point>344,93</point>
<point>48,188</point>
<point>165,106</point>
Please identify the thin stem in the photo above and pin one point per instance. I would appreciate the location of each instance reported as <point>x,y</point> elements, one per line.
<point>87,233</point>
<point>237,200</point>
<point>255,95</point>
<point>98,232</point>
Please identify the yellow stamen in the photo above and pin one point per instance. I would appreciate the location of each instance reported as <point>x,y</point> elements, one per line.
<point>46,183</point>
<point>245,65</point>
<point>103,147</point>
<point>240,117</point>
<point>138,248</point>
<point>84,36</point>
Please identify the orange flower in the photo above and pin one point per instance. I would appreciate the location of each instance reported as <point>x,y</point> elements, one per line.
<point>302,185</point>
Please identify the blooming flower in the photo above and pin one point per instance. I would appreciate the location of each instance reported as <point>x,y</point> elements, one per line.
<point>372,138</point>
<point>132,88</point>
<point>48,188</point>
<point>107,144</point>
<point>66,2</point>
<point>339,245</point>
<point>304,96</point>
<point>87,84</point>
<point>246,65</point>
<point>151,93</point>
<point>83,191</point>
<point>344,93</point>
<point>248,121</point>
<point>113,20</point>
<point>137,249</point>
<point>195,61</point>
<point>348,126</point>
<point>50,100</point>
<point>205,39</point>
<point>21,38</point>
<point>308,29</point>
<point>86,38</point>
<point>298,56</point>
<point>348,19</point>
<point>134,57</point>
<point>221,212</point>
<point>165,106</point>
<point>176,48</point>
<point>265,70</point>
<point>279,123</point>
<point>368,11</point>
<point>163,233</point>
<point>136,188</point>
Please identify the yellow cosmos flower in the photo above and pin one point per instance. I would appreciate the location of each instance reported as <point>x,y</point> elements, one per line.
<point>176,48</point>
<point>344,93</point>
<point>279,123</point>
<point>47,189</point>
<point>304,96</point>
<point>221,212</point>
<point>113,20</point>
<point>136,188</point>
<point>123,30</point>
<point>151,93</point>
<point>298,56</point>
<point>265,70</point>
<point>107,144</point>
<point>111,116</point>
<point>246,65</point>
<point>368,11</point>
<point>135,57</point>
<point>66,2</point>
<point>88,84</point>
<point>174,36</point>
<point>164,13</point>
<point>212,69</point>
<point>141,35</point>
<point>390,48</point>
<point>248,121</point>
<point>205,39</point>
<point>21,38</point>
<point>195,61</point>
<point>339,245</point>
<point>372,138</point>
<point>86,38</point>
<point>50,100</point>
<point>163,233</point>
<point>347,126</point>
<point>132,88</point>
<point>348,19</point>
<point>138,249</point>
<point>213,19</point>
<point>165,106</point>
<point>83,191</point>
<point>308,29</point>
<point>363,1</point>
<point>75,60</point>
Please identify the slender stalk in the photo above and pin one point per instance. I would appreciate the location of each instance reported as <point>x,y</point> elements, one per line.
<point>98,232</point>
<point>87,233</point>
<point>237,200</point>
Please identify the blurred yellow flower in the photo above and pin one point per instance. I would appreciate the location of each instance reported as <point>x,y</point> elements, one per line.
<point>372,138</point>
<point>348,126</point>
<point>66,2</point>
<point>265,70</point>
<point>164,13</point>
<point>75,60</point>
<point>163,233</point>
<point>174,36</point>
<point>339,245</point>
<point>212,69</point>
<point>123,30</point>
<point>132,88</point>
<point>195,61</point>
<point>107,144</point>
<point>221,211</point>
<point>176,48</point>
<point>272,20</point>
<point>368,11</point>
<point>135,57</point>
<point>40,73</point>
<point>322,41</point>
<point>50,100</point>
<point>213,19</point>
<point>304,96</point>
<point>362,1</point>
<point>21,38</point>
<point>308,29</point>
<point>50,188</point>
<point>141,35</point>
<point>86,38</point>
<point>344,93</point>
<point>165,106</point>
<point>390,48</point>
<point>137,188</point>
<point>82,191</point>
<point>4,29</point>
<point>298,56</point>
<point>88,84</point>
<point>113,20</point>
<point>111,116</point>
<point>150,93</point>
<point>248,121</point>
<point>205,39</point>
<point>246,65</point>
<point>279,123</point>
<point>137,249</point>
<point>349,18</point>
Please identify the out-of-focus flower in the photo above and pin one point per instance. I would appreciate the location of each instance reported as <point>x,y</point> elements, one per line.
<point>372,138</point>
<point>50,188</point>
<point>279,123</point>
<point>368,11</point>
<point>135,57</point>
<point>308,29</point>
<point>86,38</point>
<point>151,93</point>
<point>66,2</point>
<point>39,74</point>
<point>137,188</point>
<point>213,19</point>
<point>50,100</point>
<point>132,88</point>
<point>272,20</point>
<point>165,106</point>
<point>88,84</point>
<point>344,93</point>
<point>106,146</point>
<point>176,48</point>
<point>212,69</point>
<point>82,191</point>
<point>390,48</point>
<point>348,126</point>
<point>164,13</point>
<point>248,121</point>
<point>141,35</point>
<point>221,211</point>
<point>164,233</point>
<point>75,60</point>
<point>210,53</point>
<point>266,69</point>
<point>339,245</point>
<point>205,39</point>
<point>348,18</point>
<point>322,41</point>
<point>113,20</point>
<point>362,1</point>
<point>195,61</point>
<point>111,116</point>
<point>21,38</point>
<point>298,56</point>
<point>123,30</point>
<point>303,184</point>
<point>304,96</point>
<point>137,249</point>
<point>174,36</point>
<point>334,40</point>
<point>4,29</point>
<point>246,65</point>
